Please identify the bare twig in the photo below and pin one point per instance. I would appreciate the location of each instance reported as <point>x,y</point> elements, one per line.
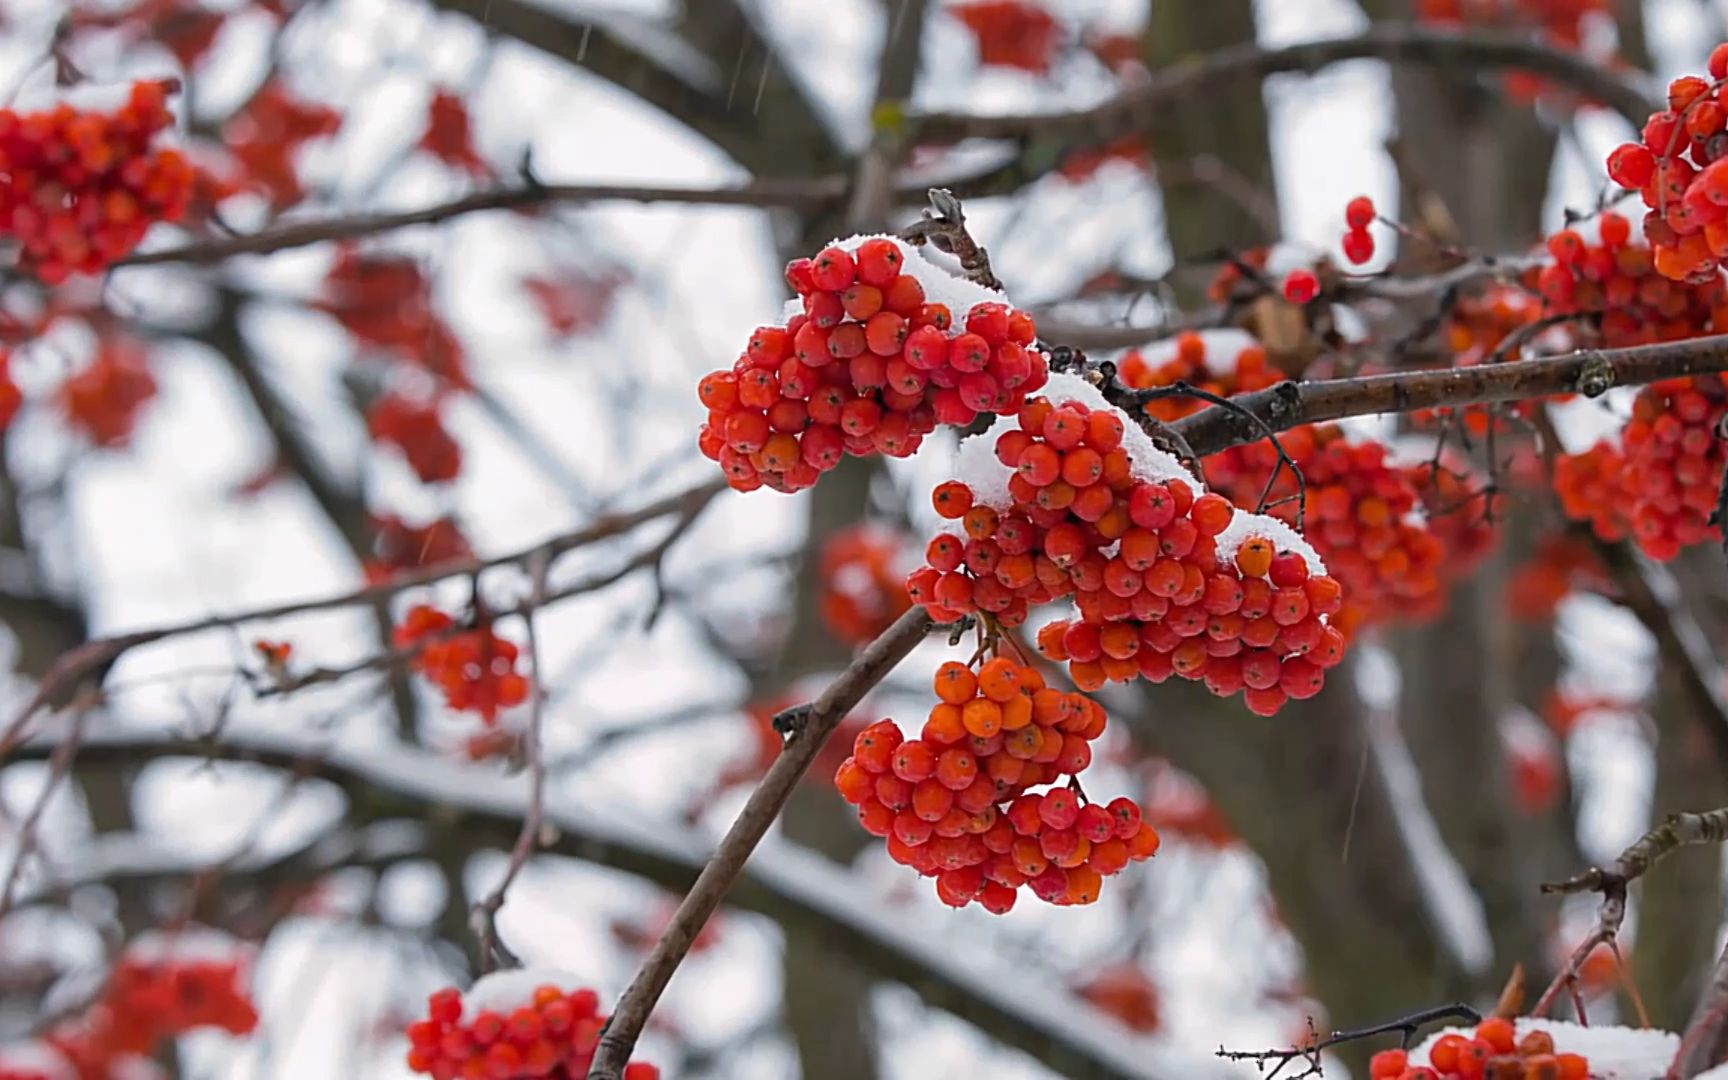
<point>1678,831</point>
<point>1309,1054</point>
<point>485,913</point>
<point>59,764</point>
<point>95,656</point>
<point>1704,1043</point>
<point>727,862</point>
<point>797,194</point>
<point>944,227</point>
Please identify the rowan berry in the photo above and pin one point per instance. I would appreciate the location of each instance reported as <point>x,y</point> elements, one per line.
<point>1358,246</point>
<point>1301,286</point>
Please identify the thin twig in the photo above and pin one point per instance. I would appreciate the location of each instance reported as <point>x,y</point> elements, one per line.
<point>944,227</point>
<point>797,194</point>
<point>1678,831</point>
<point>95,656</point>
<point>1407,1026</point>
<point>727,862</point>
<point>485,913</point>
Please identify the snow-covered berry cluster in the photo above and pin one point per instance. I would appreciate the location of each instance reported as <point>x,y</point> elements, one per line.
<point>1495,1050</point>
<point>1165,581</point>
<point>882,349</point>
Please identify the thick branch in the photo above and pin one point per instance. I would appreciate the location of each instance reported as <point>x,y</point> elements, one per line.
<point>473,809</point>
<point>794,194</point>
<point>764,805</point>
<point>1144,106</point>
<point>717,76</point>
<point>1591,373</point>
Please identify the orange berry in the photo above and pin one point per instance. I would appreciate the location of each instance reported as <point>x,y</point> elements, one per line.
<point>955,683</point>
<point>982,717</point>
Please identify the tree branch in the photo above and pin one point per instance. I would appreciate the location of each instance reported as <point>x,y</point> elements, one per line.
<point>1590,372</point>
<point>727,863</point>
<point>789,194</point>
<point>98,654</point>
<point>1680,830</point>
<point>1144,106</point>
<point>467,806</point>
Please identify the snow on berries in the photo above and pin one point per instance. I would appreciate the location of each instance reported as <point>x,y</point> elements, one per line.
<point>511,1024</point>
<point>83,186</point>
<point>1362,512</point>
<point>957,805</point>
<point>1660,482</point>
<point>1165,579</point>
<point>473,667</point>
<point>882,348</point>
<point>1677,168</point>
<point>1500,1047</point>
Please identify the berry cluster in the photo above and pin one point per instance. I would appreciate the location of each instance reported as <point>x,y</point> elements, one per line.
<point>956,803</point>
<point>385,302</point>
<point>1676,168</point>
<point>265,138</point>
<point>416,428</point>
<point>102,400</point>
<point>163,986</point>
<point>1558,564</point>
<point>510,1028</point>
<point>572,301</point>
<point>398,545</point>
<point>449,136</point>
<point>1357,513</point>
<point>1125,992</point>
<point>1248,370</point>
<point>1179,806</point>
<point>863,582</point>
<point>474,668</point>
<point>1661,483</point>
<point>870,365</point>
<point>1494,1051</point>
<point>1560,23</point>
<point>1011,33</point>
<point>1533,765</point>
<point>1624,285</point>
<point>82,187</point>
<point>1165,582</point>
